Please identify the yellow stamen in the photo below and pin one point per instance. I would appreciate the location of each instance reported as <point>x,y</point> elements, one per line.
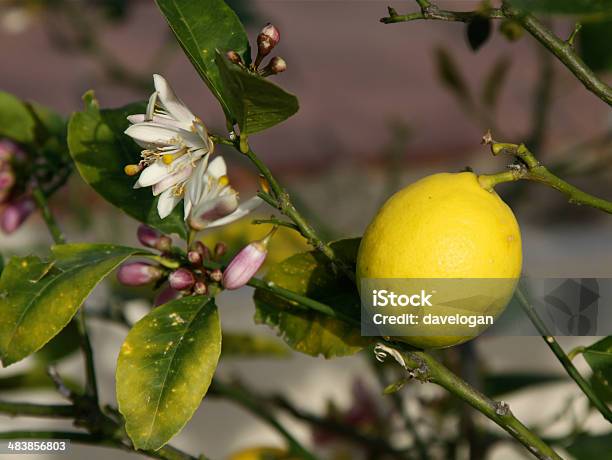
<point>132,170</point>
<point>223,181</point>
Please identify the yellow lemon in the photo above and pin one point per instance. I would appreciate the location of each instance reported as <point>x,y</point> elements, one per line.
<point>445,226</point>
<point>260,453</point>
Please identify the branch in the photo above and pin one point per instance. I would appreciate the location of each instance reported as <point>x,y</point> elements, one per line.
<point>530,168</point>
<point>253,404</point>
<point>563,50</point>
<point>47,215</point>
<point>564,359</point>
<point>37,410</point>
<point>425,367</point>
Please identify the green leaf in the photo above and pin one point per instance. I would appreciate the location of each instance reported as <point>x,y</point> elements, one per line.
<point>165,367</point>
<point>202,27</point>
<point>495,81</point>
<point>564,6</point>
<point>256,103</point>
<point>101,150</point>
<point>16,121</point>
<point>309,274</point>
<point>450,76</point>
<point>590,447</point>
<point>594,41</point>
<point>599,357</point>
<point>478,31</point>
<point>59,347</point>
<point>501,384</point>
<point>252,346</point>
<point>40,297</point>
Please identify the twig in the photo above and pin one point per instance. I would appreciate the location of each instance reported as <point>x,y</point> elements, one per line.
<point>47,215</point>
<point>563,50</point>
<point>91,385</point>
<point>425,367</point>
<point>275,221</point>
<point>531,169</point>
<point>37,410</point>
<point>253,405</point>
<point>562,357</point>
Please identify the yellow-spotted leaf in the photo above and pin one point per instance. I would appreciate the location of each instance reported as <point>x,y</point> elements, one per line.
<point>38,298</point>
<point>165,367</point>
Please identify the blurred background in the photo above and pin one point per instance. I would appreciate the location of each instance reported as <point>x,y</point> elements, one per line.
<point>381,106</point>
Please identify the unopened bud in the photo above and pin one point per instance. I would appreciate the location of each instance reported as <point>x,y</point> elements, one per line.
<point>194,257</point>
<point>164,243</point>
<point>166,295</point>
<point>181,279</point>
<point>244,265</point>
<point>15,214</point>
<point>202,250</point>
<point>234,57</point>
<point>200,288</point>
<point>9,150</point>
<point>275,66</point>
<point>220,249</point>
<point>216,275</point>
<point>147,236</point>
<point>138,273</point>
<point>7,180</point>
<point>264,185</point>
<point>272,33</point>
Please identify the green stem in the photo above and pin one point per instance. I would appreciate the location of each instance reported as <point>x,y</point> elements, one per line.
<point>91,385</point>
<point>37,410</point>
<point>531,169</point>
<point>47,216</point>
<point>575,352</point>
<point>563,50</point>
<point>563,358</point>
<point>428,368</point>
<point>253,405</point>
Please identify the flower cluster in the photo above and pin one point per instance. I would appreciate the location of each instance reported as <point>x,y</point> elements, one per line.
<point>16,204</point>
<point>267,40</point>
<point>175,163</point>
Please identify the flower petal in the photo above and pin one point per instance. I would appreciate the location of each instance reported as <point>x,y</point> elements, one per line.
<point>195,186</point>
<point>153,174</point>
<point>170,181</point>
<point>171,102</point>
<point>217,168</point>
<point>212,210</point>
<point>167,202</point>
<point>243,209</point>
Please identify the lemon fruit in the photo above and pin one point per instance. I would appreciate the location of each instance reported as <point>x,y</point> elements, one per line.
<point>261,453</point>
<point>445,226</point>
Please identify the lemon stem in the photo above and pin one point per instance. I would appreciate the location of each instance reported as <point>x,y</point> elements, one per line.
<point>529,168</point>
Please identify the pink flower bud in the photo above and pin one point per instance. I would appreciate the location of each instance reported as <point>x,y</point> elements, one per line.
<point>164,244</point>
<point>244,266</point>
<point>200,288</point>
<point>234,57</point>
<point>15,214</point>
<point>275,66</point>
<point>216,275</point>
<point>166,295</point>
<point>138,273</point>
<point>9,150</point>
<point>202,250</point>
<point>220,249</point>
<point>194,257</point>
<point>7,180</point>
<point>181,279</point>
<point>147,236</point>
<point>272,32</point>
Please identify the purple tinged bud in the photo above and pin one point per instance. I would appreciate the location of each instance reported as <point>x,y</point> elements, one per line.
<point>166,295</point>
<point>244,265</point>
<point>220,249</point>
<point>15,214</point>
<point>194,257</point>
<point>200,288</point>
<point>138,273</point>
<point>147,236</point>
<point>164,244</point>
<point>181,279</point>
<point>234,57</point>
<point>272,33</point>
<point>202,250</point>
<point>216,275</point>
<point>9,150</point>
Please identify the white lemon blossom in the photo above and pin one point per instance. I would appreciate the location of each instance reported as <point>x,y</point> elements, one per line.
<point>175,142</point>
<point>209,199</point>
